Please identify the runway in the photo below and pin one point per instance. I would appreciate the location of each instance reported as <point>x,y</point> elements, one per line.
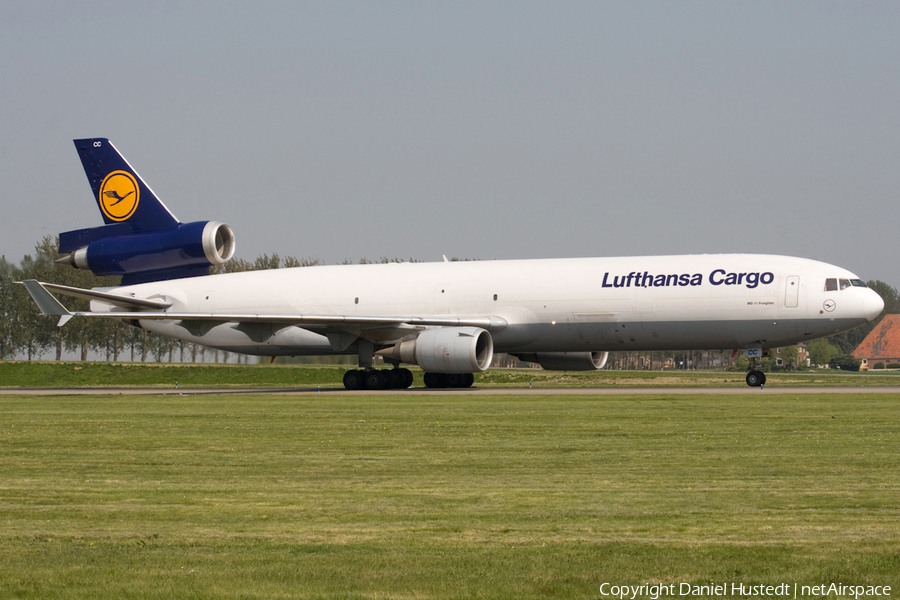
<point>475,391</point>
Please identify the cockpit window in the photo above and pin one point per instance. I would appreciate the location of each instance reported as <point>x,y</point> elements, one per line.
<point>833,284</point>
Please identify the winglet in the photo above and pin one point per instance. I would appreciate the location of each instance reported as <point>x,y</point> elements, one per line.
<point>48,304</point>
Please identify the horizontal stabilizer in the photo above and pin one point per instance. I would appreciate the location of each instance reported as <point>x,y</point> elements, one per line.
<point>50,306</point>
<point>117,299</point>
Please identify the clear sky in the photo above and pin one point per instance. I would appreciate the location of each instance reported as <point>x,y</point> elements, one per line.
<point>342,130</point>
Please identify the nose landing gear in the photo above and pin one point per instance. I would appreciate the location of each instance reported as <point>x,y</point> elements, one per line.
<point>756,379</point>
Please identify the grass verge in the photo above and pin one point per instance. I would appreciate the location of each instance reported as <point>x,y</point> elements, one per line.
<point>169,375</point>
<point>261,496</point>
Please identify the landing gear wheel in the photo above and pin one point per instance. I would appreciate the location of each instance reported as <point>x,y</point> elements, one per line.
<point>397,379</point>
<point>435,380</point>
<point>377,380</point>
<point>448,380</point>
<point>460,380</point>
<point>756,378</point>
<point>455,380</point>
<point>407,378</point>
<point>353,380</point>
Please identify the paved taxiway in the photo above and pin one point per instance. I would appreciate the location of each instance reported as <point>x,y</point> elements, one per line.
<point>498,391</point>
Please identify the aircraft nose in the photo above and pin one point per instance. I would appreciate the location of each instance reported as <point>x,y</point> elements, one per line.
<point>873,305</point>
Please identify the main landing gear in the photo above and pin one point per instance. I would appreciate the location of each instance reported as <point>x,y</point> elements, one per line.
<point>369,378</point>
<point>400,379</point>
<point>385,379</point>
<point>449,380</point>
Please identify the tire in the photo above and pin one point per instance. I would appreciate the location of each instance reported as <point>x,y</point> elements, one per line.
<point>375,380</point>
<point>435,380</point>
<point>469,380</point>
<point>455,380</point>
<point>397,379</point>
<point>353,380</point>
<point>755,378</point>
<point>385,379</point>
<point>407,378</point>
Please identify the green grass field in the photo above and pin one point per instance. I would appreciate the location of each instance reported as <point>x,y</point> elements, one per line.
<point>393,496</point>
<point>51,374</point>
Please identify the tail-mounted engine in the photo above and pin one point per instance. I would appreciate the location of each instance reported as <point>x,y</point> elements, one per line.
<point>185,250</point>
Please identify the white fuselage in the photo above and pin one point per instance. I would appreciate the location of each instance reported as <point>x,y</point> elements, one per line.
<point>552,305</point>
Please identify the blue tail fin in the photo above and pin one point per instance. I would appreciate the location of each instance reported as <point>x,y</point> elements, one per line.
<point>121,194</point>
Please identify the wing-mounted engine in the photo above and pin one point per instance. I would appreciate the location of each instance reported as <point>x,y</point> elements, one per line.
<point>446,350</point>
<point>185,250</point>
<point>567,361</point>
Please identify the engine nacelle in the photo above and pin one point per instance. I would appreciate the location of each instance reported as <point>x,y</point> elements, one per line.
<point>187,249</point>
<point>567,361</point>
<point>446,350</point>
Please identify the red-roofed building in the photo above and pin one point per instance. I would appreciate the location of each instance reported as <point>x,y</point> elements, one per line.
<point>882,344</point>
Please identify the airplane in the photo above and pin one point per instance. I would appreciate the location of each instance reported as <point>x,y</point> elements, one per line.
<point>448,317</point>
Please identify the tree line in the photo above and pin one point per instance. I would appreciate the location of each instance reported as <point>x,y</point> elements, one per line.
<point>24,331</point>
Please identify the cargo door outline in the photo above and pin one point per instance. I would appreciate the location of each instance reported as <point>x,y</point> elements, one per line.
<point>792,291</point>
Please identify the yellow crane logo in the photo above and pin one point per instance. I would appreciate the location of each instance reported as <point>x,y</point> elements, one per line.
<point>119,195</point>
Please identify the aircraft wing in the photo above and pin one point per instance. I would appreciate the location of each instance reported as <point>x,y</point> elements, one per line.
<point>50,306</point>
